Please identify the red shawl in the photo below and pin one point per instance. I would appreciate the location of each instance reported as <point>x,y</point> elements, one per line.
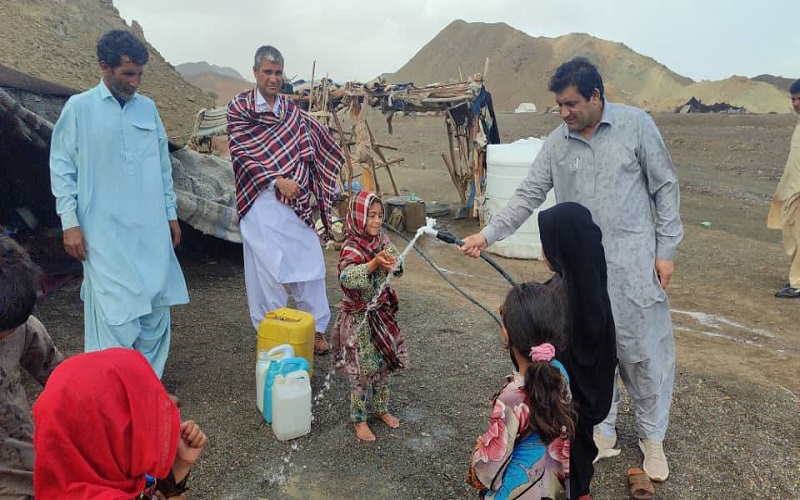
<point>360,248</point>
<point>102,422</point>
<point>265,147</point>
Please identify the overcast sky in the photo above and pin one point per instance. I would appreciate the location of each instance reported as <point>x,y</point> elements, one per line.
<point>357,40</point>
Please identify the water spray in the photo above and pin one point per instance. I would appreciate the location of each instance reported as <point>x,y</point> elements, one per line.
<point>280,477</point>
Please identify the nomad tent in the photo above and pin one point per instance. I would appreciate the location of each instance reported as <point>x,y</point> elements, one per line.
<point>29,107</point>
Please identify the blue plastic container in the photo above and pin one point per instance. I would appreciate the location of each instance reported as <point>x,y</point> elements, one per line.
<point>279,367</point>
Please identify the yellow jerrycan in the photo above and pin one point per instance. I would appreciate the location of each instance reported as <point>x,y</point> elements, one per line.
<point>288,326</point>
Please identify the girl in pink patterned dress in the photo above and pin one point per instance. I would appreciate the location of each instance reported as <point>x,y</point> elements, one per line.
<point>525,452</point>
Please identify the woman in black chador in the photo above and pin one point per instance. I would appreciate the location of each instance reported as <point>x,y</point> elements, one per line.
<point>572,245</point>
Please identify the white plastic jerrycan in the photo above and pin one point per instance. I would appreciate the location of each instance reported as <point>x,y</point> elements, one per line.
<point>279,367</point>
<point>283,351</point>
<point>291,405</point>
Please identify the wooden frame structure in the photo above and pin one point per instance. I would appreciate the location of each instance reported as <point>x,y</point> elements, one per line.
<point>363,155</point>
<point>465,119</point>
<point>465,106</point>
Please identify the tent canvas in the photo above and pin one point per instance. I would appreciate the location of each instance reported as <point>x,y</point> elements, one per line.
<point>30,106</point>
<point>526,107</point>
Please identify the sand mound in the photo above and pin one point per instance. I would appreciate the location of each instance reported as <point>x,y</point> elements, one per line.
<point>756,97</point>
<point>521,66</point>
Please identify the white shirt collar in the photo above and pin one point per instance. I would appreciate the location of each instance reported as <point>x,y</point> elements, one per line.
<point>262,105</point>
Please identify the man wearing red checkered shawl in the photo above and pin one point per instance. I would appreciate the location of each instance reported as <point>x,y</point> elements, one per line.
<point>281,158</point>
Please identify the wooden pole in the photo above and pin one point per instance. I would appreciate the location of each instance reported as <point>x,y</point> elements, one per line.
<point>326,94</point>
<point>345,151</point>
<point>450,171</point>
<point>30,125</point>
<point>23,130</point>
<point>378,151</point>
<point>370,177</point>
<point>456,181</point>
<point>477,176</point>
<point>311,92</point>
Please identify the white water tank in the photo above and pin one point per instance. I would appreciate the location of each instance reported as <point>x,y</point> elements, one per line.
<point>506,167</point>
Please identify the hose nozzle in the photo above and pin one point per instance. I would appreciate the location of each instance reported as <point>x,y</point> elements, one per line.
<point>449,237</point>
<point>445,236</point>
<point>428,227</point>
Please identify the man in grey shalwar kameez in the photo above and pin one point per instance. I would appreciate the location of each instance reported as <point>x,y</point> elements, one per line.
<point>611,159</point>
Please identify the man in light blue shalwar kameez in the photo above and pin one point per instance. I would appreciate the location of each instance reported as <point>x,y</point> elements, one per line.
<point>112,180</point>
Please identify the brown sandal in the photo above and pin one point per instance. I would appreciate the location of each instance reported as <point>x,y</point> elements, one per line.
<point>641,487</point>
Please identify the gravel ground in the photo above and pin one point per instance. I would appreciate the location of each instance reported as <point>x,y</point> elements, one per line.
<point>735,419</point>
<point>727,439</point>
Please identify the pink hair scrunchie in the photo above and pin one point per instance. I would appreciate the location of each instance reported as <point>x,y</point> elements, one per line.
<point>543,352</point>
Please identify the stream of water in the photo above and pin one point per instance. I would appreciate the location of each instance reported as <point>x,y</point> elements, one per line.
<point>279,477</point>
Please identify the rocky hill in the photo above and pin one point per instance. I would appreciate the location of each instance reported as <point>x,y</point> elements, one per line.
<point>782,83</point>
<point>520,67</point>
<point>198,68</point>
<point>56,40</point>
<point>220,84</point>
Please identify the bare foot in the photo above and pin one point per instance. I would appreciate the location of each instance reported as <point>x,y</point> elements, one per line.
<point>363,432</point>
<point>389,420</point>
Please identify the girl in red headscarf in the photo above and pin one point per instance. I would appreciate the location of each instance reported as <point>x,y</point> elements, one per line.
<point>367,345</point>
<point>103,423</point>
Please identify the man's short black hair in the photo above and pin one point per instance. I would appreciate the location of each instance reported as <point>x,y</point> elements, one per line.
<point>795,88</point>
<point>578,72</point>
<point>117,43</point>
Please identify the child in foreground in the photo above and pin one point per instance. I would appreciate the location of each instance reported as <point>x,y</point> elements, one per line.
<point>104,423</point>
<point>24,343</point>
<point>525,451</point>
<point>368,350</point>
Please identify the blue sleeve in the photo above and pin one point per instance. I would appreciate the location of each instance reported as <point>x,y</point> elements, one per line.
<point>64,166</point>
<point>170,200</point>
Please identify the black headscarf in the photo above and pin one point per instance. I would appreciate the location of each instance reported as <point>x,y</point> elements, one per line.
<point>572,243</point>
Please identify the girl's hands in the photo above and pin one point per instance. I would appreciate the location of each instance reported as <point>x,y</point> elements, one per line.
<point>383,260</point>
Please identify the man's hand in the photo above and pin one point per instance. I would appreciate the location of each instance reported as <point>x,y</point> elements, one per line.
<point>74,243</point>
<point>473,245</point>
<point>175,231</point>
<point>664,270</point>
<point>288,187</point>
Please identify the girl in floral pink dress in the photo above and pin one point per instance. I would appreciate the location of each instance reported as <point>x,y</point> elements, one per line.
<point>525,452</point>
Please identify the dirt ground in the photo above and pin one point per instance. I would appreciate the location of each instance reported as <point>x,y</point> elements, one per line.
<point>735,426</point>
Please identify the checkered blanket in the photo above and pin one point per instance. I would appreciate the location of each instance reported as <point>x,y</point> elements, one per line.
<point>265,147</point>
